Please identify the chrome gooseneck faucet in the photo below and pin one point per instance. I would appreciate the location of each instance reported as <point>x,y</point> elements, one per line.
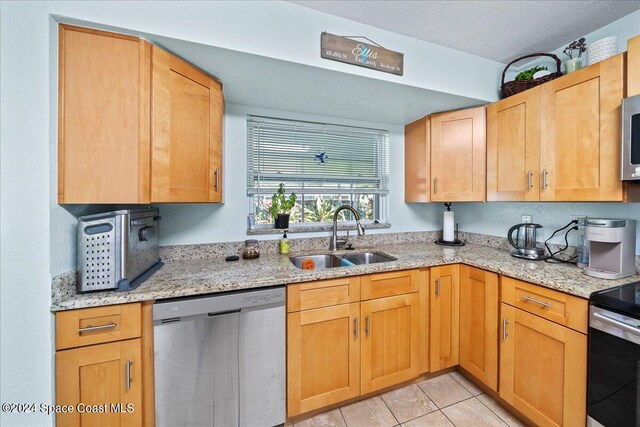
<point>333,245</point>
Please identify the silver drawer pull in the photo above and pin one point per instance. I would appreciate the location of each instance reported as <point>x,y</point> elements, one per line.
<point>366,326</point>
<point>97,328</point>
<point>505,322</point>
<point>529,180</point>
<point>535,301</point>
<point>438,287</point>
<point>355,328</point>
<point>127,374</point>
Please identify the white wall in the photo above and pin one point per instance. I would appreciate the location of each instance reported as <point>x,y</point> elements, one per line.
<point>496,218</point>
<point>625,28</point>
<point>204,223</point>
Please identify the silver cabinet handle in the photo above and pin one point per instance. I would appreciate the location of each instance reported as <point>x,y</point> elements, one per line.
<point>435,185</point>
<point>97,328</point>
<point>127,374</point>
<point>216,184</point>
<point>366,326</point>
<point>438,287</point>
<point>355,328</point>
<point>544,178</point>
<point>529,180</point>
<point>505,322</point>
<point>535,301</point>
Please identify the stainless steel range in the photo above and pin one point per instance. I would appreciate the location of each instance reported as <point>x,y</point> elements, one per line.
<point>613,398</point>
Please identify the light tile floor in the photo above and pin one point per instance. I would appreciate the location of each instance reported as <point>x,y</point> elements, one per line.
<point>448,400</point>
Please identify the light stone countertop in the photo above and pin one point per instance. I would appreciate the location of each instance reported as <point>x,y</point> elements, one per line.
<point>180,278</point>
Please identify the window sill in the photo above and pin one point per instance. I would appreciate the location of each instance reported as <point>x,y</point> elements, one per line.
<point>312,228</point>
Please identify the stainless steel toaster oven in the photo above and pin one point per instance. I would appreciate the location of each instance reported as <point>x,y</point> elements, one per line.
<point>117,250</point>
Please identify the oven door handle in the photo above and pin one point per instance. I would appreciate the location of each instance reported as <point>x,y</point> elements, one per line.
<point>632,329</point>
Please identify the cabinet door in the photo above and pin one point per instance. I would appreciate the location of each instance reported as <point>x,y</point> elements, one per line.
<point>580,138</point>
<point>97,375</point>
<point>513,148</point>
<point>479,324</point>
<point>633,66</point>
<point>417,148</point>
<point>444,326</point>
<point>458,156</point>
<point>323,357</point>
<point>543,369</point>
<point>390,344</point>
<point>103,117</point>
<point>186,132</point>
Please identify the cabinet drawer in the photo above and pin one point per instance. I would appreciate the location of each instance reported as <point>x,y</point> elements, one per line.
<point>389,284</point>
<point>87,326</point>
<point>324,293</point>
<point>556,306</point>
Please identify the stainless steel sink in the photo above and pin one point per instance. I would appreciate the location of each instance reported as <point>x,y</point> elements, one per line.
<point>367,258</point>
<point>331,261</point>
<point>321,261</point>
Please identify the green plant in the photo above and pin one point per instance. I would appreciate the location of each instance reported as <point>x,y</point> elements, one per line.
<point>580,45</point>
<point>528,74</point>
<point>281,204</point>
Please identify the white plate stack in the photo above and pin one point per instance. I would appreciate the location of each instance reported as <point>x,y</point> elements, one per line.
<point>602,49</point>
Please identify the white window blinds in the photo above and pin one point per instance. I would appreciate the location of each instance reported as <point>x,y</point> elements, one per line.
<point>315,158</point>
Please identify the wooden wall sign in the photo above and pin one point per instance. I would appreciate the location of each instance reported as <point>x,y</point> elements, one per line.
<point>344,49</point>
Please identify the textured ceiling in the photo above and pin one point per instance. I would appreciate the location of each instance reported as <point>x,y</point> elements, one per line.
<point>498,30</point>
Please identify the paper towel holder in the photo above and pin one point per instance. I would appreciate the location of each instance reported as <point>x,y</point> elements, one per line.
<point>455,241</point>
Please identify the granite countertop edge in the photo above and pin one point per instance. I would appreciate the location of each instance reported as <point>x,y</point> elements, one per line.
<point>183,278</point>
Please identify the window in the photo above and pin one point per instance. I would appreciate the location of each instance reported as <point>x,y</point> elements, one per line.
<point>325,165</point>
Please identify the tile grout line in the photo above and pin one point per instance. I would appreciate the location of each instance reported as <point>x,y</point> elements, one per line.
<point>342,416</point>
<point>496,414</point>
<point>454,378</point>
<point>392,414</point>
<point>423,415</point>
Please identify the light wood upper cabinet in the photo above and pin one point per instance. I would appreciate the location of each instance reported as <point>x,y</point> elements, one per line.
<point>390,344</point>
<point>633,66</point>
<point>580,136</point>
<point>513,148</point>
<point>323,357</point>
<point>417,153</point>
<point>458,156</point>
<point>186,133</point>
<point>103,117</point>
<point>479,306</point>
<point>543,369</point>
<point>97,375</point>
<point>136,124</point>
<point>444,302</point>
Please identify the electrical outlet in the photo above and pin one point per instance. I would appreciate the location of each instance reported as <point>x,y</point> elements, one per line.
<point>526,218</point>
<point>576,217</point>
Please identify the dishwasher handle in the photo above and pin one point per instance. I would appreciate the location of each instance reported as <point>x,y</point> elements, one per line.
<point>223,313</point>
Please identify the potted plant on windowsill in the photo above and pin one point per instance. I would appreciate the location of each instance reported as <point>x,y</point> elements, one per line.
<point>281,207</point>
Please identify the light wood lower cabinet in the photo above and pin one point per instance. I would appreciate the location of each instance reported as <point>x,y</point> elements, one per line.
<point>340,351</point>
<point>543,369</point>
<point>444,304</point>
<point>323,357</point>
<point>390,353</point>
<point>97,377</point>
<point>479,304</point>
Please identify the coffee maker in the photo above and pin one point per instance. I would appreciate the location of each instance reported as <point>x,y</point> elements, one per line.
<point>528,243</point>
<point>612,248</point>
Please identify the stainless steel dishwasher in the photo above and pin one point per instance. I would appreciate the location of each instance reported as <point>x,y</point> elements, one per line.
<point>220,360</point>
